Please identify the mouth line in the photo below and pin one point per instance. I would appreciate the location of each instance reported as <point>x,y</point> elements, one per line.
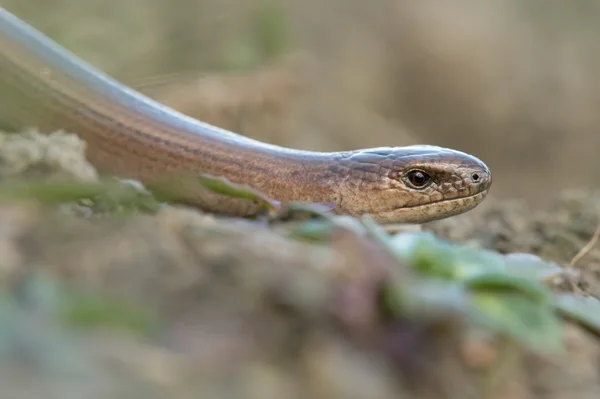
<point>447,201</point>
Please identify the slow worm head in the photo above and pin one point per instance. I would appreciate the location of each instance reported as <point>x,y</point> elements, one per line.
<point>413,184</point>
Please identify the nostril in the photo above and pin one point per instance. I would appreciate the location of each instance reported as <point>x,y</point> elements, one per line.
<point>475,177</point>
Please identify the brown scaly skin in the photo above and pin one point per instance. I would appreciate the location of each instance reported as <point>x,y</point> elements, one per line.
<point>131,136</point>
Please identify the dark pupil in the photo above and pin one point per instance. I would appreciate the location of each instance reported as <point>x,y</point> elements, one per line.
<point>418,178</point>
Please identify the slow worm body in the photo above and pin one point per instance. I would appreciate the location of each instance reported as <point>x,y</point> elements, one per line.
<point>44,86</point>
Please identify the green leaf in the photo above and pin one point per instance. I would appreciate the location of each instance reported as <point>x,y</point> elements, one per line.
<point>426,253</point>
<point>314,230</point>
<point>479,284</point>
<point>374,231</point>
<point>585,310</point>
<point>53,191</point>
<point>87,311</point>
<point>326,221</point>
<point>471,262</point>
<point>322,210</point>
<point>221,185</point>
<point>184,185</point>
<point>519,318</point>
<point>425,298</point>
<point>532,266</point>
<point>497,282</point>
<point>101,196</point>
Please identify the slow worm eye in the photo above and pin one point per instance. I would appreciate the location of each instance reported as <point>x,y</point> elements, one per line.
<point>418,178</point>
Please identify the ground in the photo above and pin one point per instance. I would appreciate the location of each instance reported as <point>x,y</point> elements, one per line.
<point>242,309</point>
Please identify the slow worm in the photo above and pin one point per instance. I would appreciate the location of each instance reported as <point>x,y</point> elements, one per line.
<point>129,135</point>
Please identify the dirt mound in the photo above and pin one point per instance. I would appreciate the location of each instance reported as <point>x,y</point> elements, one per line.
<point>241,309</point>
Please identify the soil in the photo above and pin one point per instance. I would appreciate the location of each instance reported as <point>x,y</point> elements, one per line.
<point>247,311</point>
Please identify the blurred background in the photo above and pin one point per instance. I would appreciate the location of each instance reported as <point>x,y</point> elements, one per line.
<point>512,82</point>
